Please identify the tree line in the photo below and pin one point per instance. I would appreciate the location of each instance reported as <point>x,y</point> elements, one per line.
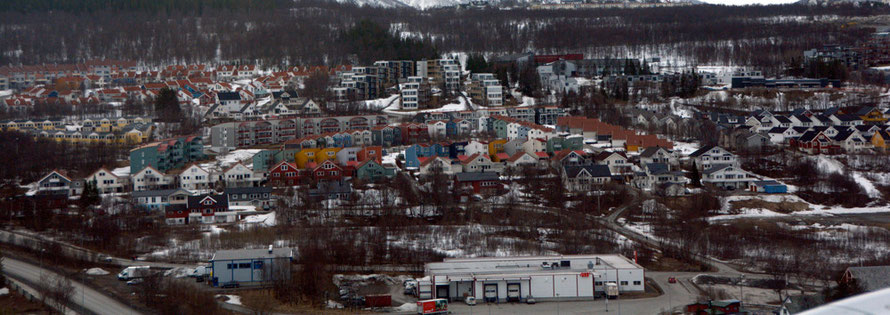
<point>310,32</point>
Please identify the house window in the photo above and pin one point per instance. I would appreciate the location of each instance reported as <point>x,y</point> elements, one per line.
<point>623,282</point>
<point>598,283</point>
<point>244,266</point>
<point>636,282</point>
<point>257,265</point>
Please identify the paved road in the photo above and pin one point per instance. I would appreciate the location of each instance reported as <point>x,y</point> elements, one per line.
<point>83,296</point>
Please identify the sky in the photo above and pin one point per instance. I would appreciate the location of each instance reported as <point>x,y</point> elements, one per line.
<point>746,2</point>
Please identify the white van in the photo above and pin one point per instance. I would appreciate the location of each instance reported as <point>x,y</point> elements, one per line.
<point>133,272</point>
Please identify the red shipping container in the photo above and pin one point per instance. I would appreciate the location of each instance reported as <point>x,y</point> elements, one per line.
<point>378,300</point>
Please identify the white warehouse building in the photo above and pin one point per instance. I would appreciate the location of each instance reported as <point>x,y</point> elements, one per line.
<point>544,278</point>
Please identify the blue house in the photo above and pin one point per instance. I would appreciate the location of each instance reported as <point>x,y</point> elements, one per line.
<point>457,148</point>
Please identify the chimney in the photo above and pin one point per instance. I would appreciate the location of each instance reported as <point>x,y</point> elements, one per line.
<point>270,249</point>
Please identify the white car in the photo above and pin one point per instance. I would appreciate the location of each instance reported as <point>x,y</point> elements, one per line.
<point>470,300</point>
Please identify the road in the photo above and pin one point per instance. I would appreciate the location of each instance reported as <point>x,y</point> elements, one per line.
<point>83,296</point>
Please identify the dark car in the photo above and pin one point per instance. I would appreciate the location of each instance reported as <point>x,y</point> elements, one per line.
<point>230,285</point>
<point>672,280</point>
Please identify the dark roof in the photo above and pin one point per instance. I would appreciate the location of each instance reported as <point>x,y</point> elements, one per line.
<point>801,129</point>
<point>830,111</point>
<point>847,117</point>
<point>822,118</point>
<point>864,110</point>
<point>808,136</point>
<point>221,200</point>
<point>799,111</point>
<point>248,190</point>
<point>871,278</point>
<point>253,253</point>
<point>803,118</point>
<point>844,135</point>
<point>783,119</point>
<point>777,130</point>
<point>477,176</point>
<point>595,170</point>
<point>155,193</point>
<point>331,187</point>
<point>657,168</point>
<point>716,167</point>
<point>228,96</point>
<point>863,128</point>
<point>650,151</point>
<point>702,150</point>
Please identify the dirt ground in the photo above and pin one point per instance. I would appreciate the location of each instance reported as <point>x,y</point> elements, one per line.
<point>15,303</point>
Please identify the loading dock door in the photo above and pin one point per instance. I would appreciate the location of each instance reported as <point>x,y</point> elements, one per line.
<point>491,292</point>
<point>442,292</point>
<point>513,292</point>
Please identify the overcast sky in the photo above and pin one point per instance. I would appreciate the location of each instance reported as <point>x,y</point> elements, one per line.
<point>745,2</point>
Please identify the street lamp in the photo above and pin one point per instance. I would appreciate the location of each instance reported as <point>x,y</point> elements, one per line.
<point>741,295</point>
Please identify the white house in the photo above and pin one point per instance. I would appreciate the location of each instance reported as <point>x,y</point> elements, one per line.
<point>239,175</point>
<point>106,182</point>
<point>445,165</point>
<point>151,179</point>
<point>710,155</point>
<point>727,176</point>
<point>474,147</point>
<point>194,177</point>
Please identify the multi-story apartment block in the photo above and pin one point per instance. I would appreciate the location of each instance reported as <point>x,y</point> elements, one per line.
<point>486,90</point>
<point>393,71</point>
<point>443,73</point>
<point>415,92</point>
<point>167,154</point>
<point>249,133</point>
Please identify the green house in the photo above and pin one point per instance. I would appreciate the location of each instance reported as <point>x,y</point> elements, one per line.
<point>372,171</point>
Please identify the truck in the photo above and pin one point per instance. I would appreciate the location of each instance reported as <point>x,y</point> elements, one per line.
<point>611,290</point>
<point>436,306</point>
<point>134,272</point>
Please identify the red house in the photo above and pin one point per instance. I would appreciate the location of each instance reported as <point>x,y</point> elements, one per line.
<point>414,133</point>
<point>327,171</point>
<point>478,182</point>
<point>370,153</point>
<point>284,174</point>
<point>815,142</point>
<point>715,307</point>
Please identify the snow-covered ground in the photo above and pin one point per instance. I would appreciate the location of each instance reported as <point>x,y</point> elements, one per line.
<point>259,220</point>
<point>231,299</point>
<point>223,162</point>
<point>96,272</point>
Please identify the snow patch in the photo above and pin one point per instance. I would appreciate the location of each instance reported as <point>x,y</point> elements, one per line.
<point>96,272</point>
<point>231,298</point>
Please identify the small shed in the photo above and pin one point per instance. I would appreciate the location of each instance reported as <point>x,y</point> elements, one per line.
<point>251,266</point>
<point>769,187</point>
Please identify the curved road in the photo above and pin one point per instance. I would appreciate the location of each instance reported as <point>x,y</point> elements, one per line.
<point>93,300</point>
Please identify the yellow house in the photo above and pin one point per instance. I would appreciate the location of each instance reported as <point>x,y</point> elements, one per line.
<point>880,138</point>
<point>871,115</point>
<point>304,156</point>
<point>495,147</point>
<point>326,154</point>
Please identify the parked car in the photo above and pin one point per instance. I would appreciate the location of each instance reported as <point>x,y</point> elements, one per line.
<point>672,280</point>
<point>135,281</point>
<point>105,258</point>
<point>230,285</point>
<point>470,300</point>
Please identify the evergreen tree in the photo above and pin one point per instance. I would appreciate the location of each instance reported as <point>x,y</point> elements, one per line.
<point>167,106</point>
<point>695,176</point>
<point>90,196</point>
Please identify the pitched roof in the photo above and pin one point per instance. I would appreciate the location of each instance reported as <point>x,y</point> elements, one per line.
<point>702,150</point>
<point>595,170</point>
<point>657,168</point>
<point>871,278</point>
<point>716,168</point>
<point>476,176</point>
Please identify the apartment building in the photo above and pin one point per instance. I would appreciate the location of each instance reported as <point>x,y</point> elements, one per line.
<point>486,90</point>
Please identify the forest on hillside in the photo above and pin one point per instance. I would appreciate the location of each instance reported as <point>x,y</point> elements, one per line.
<point>313,32</point>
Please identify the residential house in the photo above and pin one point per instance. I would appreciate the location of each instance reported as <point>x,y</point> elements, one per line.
<point>727,176</point>
<point>194,177</point>
<point>581,178</point>
<point>710,155</point>
<point>239,175</point>
<point>478,182</point>
<point>617,162</point>
<point>106,182</point>
<point>658,155</point>
<point>150,178</point>
<point>206,208</point>
<point>161,199</point>
<point>371,170</point>
<point>284,174</point>
<point>429,165</point>
<point>657,176</point>
<point>259,197</point>
<point>56,182</point>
